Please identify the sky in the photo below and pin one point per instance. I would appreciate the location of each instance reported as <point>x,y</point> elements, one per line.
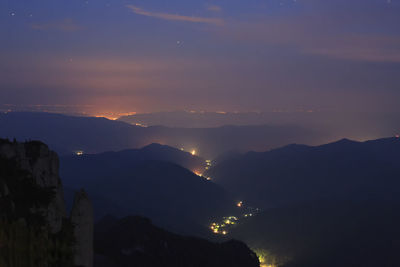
<point>125,56</point>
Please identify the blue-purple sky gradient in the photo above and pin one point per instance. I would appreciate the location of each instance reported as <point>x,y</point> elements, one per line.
<point>232,55</point>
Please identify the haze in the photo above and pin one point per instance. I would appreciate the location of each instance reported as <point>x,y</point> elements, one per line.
<point>117,57</point>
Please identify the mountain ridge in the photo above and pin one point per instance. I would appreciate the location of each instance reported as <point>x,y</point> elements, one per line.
<point>300,172</point>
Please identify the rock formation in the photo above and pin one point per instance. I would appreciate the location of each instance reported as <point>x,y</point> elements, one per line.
<point>43,164</point>
<point>82,220</point>
<point>34,228</point>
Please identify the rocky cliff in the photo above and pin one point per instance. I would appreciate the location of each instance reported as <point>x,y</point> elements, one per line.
<point>82,219</point>
<point>42,164</point>
<point>34,227</point>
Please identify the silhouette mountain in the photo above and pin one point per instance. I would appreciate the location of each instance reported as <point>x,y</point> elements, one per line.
<point>134,241</point>
<point>299,174</point>
<point>130,183</point>
<point>337,123</point>
<point>67,134</point>
<point>156,152</point>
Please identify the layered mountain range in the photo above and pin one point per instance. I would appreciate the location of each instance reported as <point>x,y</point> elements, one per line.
<point>36,231</point>
<point>68,134</point>
<point>297,174</point>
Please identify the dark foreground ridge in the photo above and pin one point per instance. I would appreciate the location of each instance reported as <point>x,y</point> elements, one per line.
<point>36,231</point>
<point>134,241</point>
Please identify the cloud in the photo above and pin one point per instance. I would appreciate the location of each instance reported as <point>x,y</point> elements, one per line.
<point>214,8</point>
<point>175,17</point>
<point>317,36</point>
<point>66,25</point>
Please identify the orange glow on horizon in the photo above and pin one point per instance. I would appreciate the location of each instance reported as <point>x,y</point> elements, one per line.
<point>107,117</point>
<point>113,115</point>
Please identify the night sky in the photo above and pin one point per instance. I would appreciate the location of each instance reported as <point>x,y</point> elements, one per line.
<point>231,55</point>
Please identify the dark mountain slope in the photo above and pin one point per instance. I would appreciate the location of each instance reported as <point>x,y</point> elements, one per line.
<point>151,152</point>
<point>298,173</point>
<point>170,195</point>
<point>134,241</point>
<point>326,234</point>
<point>67,134</point>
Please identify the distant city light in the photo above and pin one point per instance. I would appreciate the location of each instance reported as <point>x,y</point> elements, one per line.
<point>79,153</point>
<point>208,164</point>
<point>239,204</point>
<point>198,173</point>
<point>193,152</point>
<point>115,115</point>
<point>263,258</point>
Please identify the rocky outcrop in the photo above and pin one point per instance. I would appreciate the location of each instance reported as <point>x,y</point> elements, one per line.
<point>82,220</point>
<point>43,164</point>
<point>4,191</point>
<point>34,228</point>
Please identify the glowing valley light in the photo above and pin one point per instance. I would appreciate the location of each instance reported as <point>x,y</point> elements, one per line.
<point>208,164</point>
<point>113,115</point>
<point>111,118</point>
<point>266,258</point>
<point>193,152</point>
<point>198,173</point>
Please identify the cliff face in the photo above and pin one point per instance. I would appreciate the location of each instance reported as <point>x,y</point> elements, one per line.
<point>43,164</point>
<point>82,219</point>
<point>34,227</point>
